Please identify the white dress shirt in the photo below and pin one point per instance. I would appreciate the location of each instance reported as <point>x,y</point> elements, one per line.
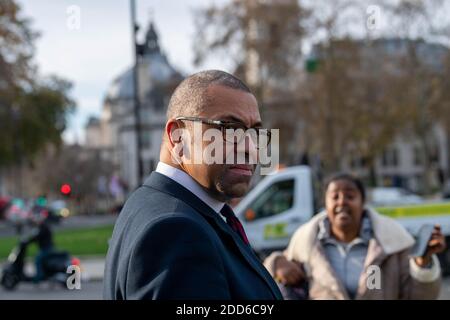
<point>189,183</point>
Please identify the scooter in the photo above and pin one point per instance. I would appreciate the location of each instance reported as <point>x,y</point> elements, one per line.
<point>55,267</point>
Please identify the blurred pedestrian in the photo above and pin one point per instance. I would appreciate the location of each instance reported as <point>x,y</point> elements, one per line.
<point>43,236</point>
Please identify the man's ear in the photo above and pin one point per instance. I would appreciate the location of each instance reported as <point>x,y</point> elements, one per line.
<point>174,131</point>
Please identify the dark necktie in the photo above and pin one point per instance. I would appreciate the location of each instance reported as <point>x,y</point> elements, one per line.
<point>234,222</point>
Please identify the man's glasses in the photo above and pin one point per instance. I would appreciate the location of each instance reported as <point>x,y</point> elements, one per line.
<point>235,132</point>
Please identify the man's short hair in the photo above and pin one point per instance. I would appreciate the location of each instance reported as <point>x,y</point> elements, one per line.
<point>190,97</point>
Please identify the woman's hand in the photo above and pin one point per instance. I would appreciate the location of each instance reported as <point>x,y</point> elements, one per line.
<point>288,272</point>
<point>435,245</point>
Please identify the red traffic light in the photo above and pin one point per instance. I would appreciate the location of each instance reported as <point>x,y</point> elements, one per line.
<point>66,189</point>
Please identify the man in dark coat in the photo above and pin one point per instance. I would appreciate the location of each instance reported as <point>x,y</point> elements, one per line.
<point>176,238</point>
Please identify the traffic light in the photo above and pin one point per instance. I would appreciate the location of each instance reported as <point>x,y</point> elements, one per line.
<point>66,189</point>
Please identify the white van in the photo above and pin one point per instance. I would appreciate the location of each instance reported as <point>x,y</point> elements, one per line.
<point>276,207</point>
<point>280,203</point>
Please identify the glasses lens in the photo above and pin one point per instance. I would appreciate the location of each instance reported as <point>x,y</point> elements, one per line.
<point>263,138</point>
<point>259,137</point>
<point>234,134</point>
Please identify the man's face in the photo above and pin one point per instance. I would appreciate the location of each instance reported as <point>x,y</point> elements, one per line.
<point>225,181</point>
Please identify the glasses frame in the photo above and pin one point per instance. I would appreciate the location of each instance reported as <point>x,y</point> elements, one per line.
<point>222,124</point>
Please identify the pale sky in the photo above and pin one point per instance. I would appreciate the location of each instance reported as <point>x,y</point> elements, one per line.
<point>101,49</point>
<point>93,55</point>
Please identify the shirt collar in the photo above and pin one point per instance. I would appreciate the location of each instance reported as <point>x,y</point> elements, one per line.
<point>189,183</point>
<point>365,233</point>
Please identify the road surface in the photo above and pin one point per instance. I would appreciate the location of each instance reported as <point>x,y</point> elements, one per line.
<point>26,291</point>
<point>93,291</point>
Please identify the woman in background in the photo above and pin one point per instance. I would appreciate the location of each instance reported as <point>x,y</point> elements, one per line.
<point>352,252</point>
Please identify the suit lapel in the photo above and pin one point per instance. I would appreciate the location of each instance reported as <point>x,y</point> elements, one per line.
<point>247,252</point>
<point>164,184</point>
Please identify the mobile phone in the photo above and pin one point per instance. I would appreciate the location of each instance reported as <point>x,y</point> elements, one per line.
<point>423,237</point>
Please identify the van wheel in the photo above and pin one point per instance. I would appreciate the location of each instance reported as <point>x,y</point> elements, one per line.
<point>444,258</point>
<point>264,253</point>
<point>261,256</point>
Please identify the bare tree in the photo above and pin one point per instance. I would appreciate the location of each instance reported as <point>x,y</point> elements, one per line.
<point>75,165</point>
<point>358,95</point>
<point>425,76</point>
